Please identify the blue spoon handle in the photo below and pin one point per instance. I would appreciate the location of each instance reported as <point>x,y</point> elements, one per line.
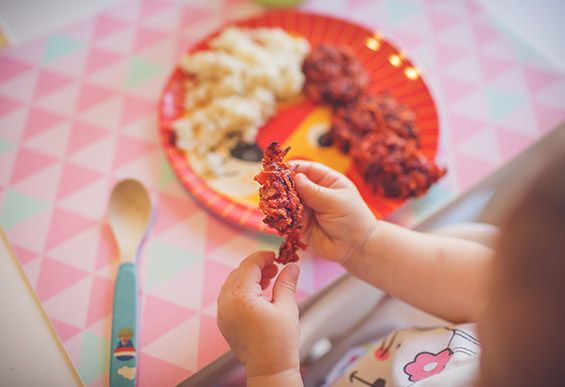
<point>123,356</point>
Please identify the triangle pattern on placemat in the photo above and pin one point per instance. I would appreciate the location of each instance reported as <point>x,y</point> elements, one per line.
<point>482,145</point>
<point>50,81</point>
<point>98,59</point>
<point>12,125</point>
<point>72,347</point>
<point>215,274</point>
<point>107,252</point>
<point>212,344</point>
<point>548,117</point>
<point>100,300</point>
<point>74,178</point>
<point>90,193</point>
<point>55,277</point>
<point>159,317</point>
<point>20,88</point>
<point>156,372</point>
<point>62,101</point>
<point>59,46</point>
<point>52,141</point>
<point>18,207</point>
<point>64,330</point>
<point>172,209</point>
<point>512,143</point>
<point>147,36</point>
<point>30,162</point>
<point>91,95</point>
<point>188,234</point>
<point>553,94</point>
<point>65,224</point>
<point>97,156</point>
<point>129,148</point>
<point>183,288</point>
<point>31,231</point>
<point>167,347</point>
<point>73,253</point>
<point>105,114</point>
<point>11,67</point>
<point>234,250</point>
<point>70,305</point>
<point>537,79</point>
<point>32,270</point>
<point>110,76</point>
<point>502,103</point>
<point>83,134</point>
<point>483,31</point>
<point>7,106</point>
<point>24,255</point>
<point>462,128</point>
<point>219,232</point>
<point>94,357</point>
<point>164,260</point>
<point>140,70</point>
<point>144,167</point>
<point>106,24</point>
<point>135,108</point>
<point>39,120</point>
<point>470,170</point>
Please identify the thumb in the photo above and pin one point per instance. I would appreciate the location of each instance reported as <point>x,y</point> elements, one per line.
<point>284,289</point>
<point>313,195</point>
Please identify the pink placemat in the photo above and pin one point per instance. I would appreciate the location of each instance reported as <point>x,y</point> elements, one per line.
<point>78,112</point>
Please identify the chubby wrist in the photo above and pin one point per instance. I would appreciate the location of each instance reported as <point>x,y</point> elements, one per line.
<point>290,377</point>
<point>362,248</point>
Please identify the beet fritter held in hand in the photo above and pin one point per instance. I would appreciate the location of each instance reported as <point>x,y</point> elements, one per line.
<point>280,203</point>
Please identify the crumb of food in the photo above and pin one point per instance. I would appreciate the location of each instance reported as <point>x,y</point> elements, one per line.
<point>333,75</point>
<point>233,87</point>
<point>394,166</point>
<point>280,202</point>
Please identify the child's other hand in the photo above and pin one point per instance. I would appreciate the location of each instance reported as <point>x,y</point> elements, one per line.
<point>337,221</point>
<point>262,333</point>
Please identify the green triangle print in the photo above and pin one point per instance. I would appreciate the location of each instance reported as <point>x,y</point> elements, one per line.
<point>398,10</point>
<point>165,261</point>
<point>502,103</point>
<point>5,145</point>
<point>18,207</point>
<point>166,174</point>
<point>59,46</point>
<point>94,357</point>
<point>141,70</point>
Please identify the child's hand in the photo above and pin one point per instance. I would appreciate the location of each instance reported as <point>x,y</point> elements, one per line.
<point>337,222</point>
<point>262,333</point>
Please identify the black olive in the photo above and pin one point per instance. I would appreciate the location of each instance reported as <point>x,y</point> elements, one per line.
<point>325,140</point>
<point>247,152</point>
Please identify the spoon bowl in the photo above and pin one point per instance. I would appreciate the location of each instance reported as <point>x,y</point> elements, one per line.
<point>129,213</point>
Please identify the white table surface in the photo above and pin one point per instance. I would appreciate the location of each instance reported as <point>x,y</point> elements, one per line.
<point>30,354</point>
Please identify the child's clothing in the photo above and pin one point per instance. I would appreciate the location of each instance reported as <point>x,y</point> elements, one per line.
<point>446,356</point>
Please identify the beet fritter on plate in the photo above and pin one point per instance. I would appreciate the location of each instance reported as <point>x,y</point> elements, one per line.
<point>333,75</point>
<point>280,202</point>
<point>371,113</point>
<point>394,166</point>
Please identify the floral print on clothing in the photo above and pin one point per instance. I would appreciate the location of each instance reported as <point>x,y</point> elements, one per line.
<point>426,364</point>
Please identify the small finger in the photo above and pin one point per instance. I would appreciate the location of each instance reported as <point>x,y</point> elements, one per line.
<point>251,268</point>
<point>319,173</point>
<point>269,272</point>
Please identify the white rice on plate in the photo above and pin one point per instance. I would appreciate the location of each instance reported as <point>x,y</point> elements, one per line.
<point>233,90</point>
